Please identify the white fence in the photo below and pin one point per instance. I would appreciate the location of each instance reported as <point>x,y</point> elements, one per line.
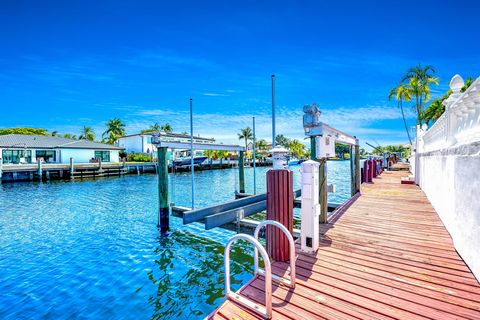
<point>460,123</point>
<point>447,168</point>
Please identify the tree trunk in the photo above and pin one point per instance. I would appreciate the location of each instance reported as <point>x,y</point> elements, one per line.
<point>405,121</point>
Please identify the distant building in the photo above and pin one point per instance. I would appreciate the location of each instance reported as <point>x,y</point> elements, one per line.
<point>142,142</point>
<point>21,148</point>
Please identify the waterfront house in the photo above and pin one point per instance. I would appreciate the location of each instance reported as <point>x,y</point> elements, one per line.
<point>142,142</point>
<point>20,148</point>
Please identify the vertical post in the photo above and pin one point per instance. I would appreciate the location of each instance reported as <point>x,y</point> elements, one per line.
<point>71,168</point>
<point>357,166</point>
<point>163,211</point>
<point>254,160</point>
<point>273,111</point>
<point>241,172</point>
<point>40,173</point>
<point>352,171</point>
<point>1,165</point>
<point>323,189</point>
<point>192,166</point>
<point>322,180</point>
<point>100,164</point>
<point>313,148</point>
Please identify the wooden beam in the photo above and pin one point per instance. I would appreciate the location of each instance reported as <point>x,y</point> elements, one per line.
<point>218,219</point>
<point>198,214</point>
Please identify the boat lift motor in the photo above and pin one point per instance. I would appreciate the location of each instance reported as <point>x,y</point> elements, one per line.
<point>310,207</point>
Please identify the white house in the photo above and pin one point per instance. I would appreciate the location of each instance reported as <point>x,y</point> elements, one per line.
<point>21,148</point>
<point>142,142</point>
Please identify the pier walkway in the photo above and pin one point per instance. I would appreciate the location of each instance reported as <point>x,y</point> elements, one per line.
<point>385,255</point>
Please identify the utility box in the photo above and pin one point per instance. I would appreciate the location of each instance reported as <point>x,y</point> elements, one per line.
<point>310,207</point>
<point>325,147</point>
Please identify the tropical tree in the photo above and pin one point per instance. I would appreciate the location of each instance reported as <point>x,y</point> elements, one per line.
<point>29,131</point>
<point>245,134</point>
<point>281,140</point>
<point>167,127</point>
<point>261,146</point>
<point>296,148</point>
<point>115,129</point>
<point>54,133</point>
<point>156,127</point>
<point>87,134</point>
<point>437,108</point>
<point>419,80</point>
<point>401,93</point>
<point>341,150</point>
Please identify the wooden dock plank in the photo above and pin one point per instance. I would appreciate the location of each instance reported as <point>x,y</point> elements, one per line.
<point>385,255</point>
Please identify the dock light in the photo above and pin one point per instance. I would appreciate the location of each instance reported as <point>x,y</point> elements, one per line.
<point>279,155</point>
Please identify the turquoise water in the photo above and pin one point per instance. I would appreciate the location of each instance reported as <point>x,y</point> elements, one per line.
<point>91,249</point>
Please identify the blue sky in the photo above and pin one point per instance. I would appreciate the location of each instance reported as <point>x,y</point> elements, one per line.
<point>65,64</point>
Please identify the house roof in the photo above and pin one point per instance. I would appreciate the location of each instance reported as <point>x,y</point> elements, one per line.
<point>50,142</point>
<point>170,135</point>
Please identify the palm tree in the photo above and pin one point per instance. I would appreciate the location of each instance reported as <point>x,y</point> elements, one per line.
<point>166,128</point>
<point>87,134</point>
<point>401,93</point>
<point>281,140</point>
<point>246,134</point>
<point>419,79</point>
<point>115,129</point>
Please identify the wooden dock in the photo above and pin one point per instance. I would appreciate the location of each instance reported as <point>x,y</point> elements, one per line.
<point>385,255</point>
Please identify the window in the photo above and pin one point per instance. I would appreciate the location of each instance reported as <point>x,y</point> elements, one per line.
<point>46,155</point>
<point>104,155</point>
<point>149,140</point>
<point>14,156</point>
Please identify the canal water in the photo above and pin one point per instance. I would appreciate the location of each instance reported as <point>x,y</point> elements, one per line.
<point>91,249</point>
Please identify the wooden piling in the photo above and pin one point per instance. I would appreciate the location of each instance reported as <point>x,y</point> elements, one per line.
<point>357,167</point>
<point>71,169</point>
<point>323,190</point>
<point>39,170</point>
<point>352,171</point>
<point>241,172</point>
<point>163,211</point>
<point>322,179</point>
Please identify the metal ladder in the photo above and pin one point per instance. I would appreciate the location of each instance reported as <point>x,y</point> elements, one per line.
<point>266,310</point>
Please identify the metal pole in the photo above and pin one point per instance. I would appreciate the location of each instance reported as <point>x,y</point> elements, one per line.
<point>241,172</point>
<point>254,160</point>
<point>273,111</point>
<point>192,155</point>
<point>163,211</point>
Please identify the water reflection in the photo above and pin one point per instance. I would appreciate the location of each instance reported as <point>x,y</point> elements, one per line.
<point>188,285</point>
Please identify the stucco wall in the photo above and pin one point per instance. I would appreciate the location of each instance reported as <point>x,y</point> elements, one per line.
<point>83,155</point>
<point>78,155</point>
<point>131,144</point>
<point>451,180</point>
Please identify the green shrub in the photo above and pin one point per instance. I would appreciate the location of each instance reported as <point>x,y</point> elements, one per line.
<point>139,157</point>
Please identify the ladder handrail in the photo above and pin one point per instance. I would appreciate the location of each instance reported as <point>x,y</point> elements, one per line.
<point>292,251</point>
<point>267,312</point>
